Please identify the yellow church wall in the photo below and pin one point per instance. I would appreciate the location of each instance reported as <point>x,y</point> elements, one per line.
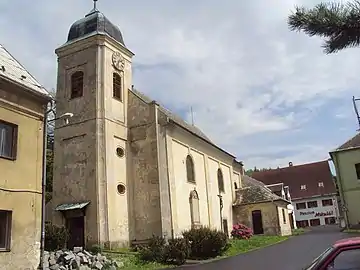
<point>207,160</point>
<point>20,179</point>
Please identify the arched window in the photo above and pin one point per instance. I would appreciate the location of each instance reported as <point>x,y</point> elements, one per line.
<point>77,84</point>
<point>194,208</point>
<point>220,180</point>
<point>117,86</point>
<point>190,170</point>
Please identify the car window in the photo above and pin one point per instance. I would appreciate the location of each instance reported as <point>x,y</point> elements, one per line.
<point>319,258</point>
<point>346,260</point>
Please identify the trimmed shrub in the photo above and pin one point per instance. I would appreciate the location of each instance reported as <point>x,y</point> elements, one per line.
<point>55,237</point>
<point>240,231</point>
<point>95,249</point>
<point>154,251</point>
<point>177,251</point>
<point>206,243</point>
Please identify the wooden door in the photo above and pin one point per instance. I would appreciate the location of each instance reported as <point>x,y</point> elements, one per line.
<point>257,222</point>
<point>76,228</point>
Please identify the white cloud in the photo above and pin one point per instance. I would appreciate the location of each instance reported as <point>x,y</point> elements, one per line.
<point>235,62</point>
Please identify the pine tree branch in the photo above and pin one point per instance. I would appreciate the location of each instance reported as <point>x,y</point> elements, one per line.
<point>338,23</point>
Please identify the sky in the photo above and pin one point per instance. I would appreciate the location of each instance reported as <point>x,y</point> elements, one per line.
<point>263,93</point>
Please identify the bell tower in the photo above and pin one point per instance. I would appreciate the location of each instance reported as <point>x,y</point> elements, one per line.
<point>90,195</point>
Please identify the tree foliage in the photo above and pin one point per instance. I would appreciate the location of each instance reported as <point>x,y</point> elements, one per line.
<point>337,23</point>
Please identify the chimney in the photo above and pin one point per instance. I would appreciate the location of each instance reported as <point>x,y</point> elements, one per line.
<point>290,164</point>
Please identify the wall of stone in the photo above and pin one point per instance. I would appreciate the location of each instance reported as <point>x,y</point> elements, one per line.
<point>284,220</point>
<point>143,170</point>
<point>270,216</point>
<point>76,151</point>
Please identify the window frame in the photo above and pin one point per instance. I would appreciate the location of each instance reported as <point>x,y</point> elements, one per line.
<point>315,203</point>
<point>118,84</point>
<point>330,200</point>
<point>220,180</point>
<point>14,143</point>
<point>74,81</point>
<point>283,215</point>
<point>302,203</point>
<point>8,230</point>
<point>357,170</point>
<point>301,187</point>
<point>190,159</point>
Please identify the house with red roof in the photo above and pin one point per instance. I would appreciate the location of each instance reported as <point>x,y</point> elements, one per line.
<point>346,160</point>
<point>312,189</point>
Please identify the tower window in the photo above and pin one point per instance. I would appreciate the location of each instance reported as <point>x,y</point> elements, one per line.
<point>77,84</point>
<point>117,86</point>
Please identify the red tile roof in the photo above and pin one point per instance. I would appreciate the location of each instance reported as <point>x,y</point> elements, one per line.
<point>295,176</point>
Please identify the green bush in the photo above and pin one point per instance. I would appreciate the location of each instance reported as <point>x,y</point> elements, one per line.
<point>95,249</point>
<point>177,251</point>
<point>154,251</point>
<point>55,237</point>
<point>206,243</point>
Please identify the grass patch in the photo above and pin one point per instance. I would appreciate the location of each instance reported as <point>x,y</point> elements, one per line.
<point>352,231</point>
<point>255,242</point>
<point>132,262</point>
<point>299,231</point>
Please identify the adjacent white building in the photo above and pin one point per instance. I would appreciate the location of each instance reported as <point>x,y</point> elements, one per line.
<point>316,211</point>
<point>312,189</point>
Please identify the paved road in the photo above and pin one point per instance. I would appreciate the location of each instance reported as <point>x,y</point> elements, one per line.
<point>292,254</point>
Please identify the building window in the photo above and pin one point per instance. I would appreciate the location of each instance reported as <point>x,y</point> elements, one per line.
<point>220,178</point>
<point>194,208</point>
<point>190,169</point>
<point>327,202</point>
<point>8,140</point>
<point>312,204</point>
<point>117,86</point>
<point>77,84</point>
<point>225,227</point>
<point>120,152</point>
<point>315,222</point>
<point>5,230</point>
<point>357,168</point>
<point>121,189</point>
<point>321,184</point>
<point>283,215</point>
<point>235,186</point>
<point>330,220</point>
<point>303,187</point>
<point>300,206</point>
<point>302,223</point>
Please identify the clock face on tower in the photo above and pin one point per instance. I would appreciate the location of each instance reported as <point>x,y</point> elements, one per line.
<point>118,61</point>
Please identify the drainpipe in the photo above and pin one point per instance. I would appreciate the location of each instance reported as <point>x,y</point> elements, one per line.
<point>43,190</point>
<point>342,195</point>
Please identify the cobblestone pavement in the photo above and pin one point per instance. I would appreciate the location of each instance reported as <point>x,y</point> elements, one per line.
<point>292,254</point>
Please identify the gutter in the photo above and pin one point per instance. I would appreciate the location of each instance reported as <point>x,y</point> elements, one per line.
<point>43,190</point>
<point>47,97</point>
<point>338,176</point>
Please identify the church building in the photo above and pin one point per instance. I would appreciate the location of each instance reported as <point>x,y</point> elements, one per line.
<point>126,168</point>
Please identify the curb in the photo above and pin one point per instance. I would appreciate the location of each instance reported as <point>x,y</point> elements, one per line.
<point>223,257</point>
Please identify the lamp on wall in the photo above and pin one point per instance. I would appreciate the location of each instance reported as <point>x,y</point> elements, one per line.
<point>221,208</point>
<point>65,117</point>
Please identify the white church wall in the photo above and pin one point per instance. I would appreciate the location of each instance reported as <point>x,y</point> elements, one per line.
<point>207,160</point>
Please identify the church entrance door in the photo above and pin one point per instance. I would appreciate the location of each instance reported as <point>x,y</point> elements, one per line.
<point>257,222</point>
<point>76,228</point>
